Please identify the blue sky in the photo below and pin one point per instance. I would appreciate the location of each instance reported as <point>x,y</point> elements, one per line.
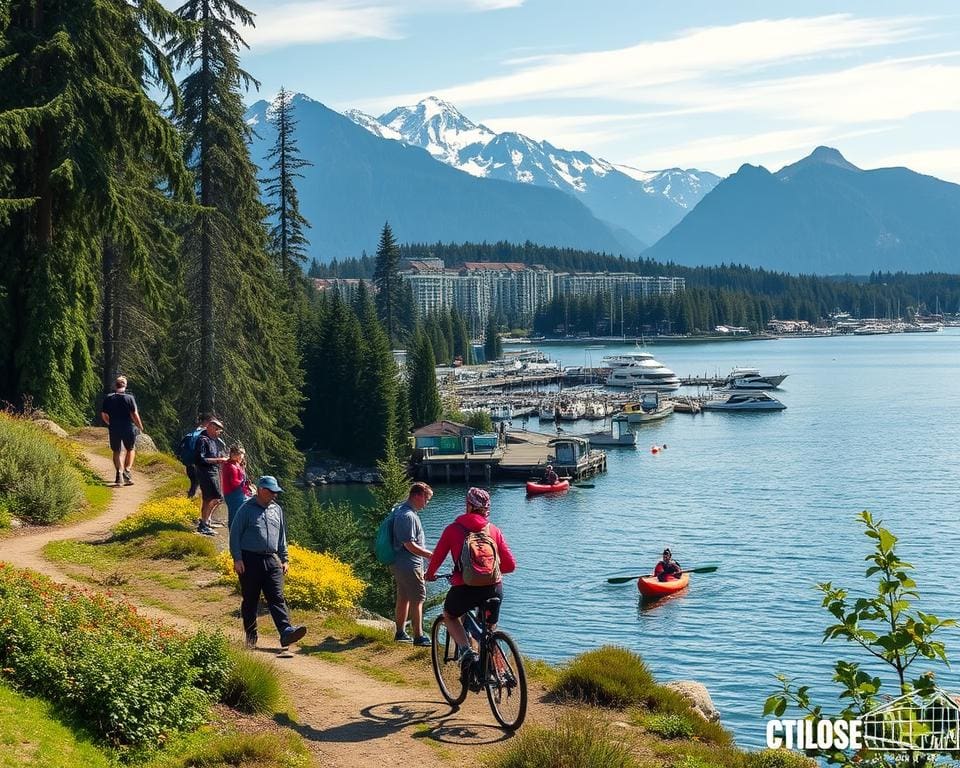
<point>700,84</point>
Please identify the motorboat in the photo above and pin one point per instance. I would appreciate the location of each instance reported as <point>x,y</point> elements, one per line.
<point>685,404</point>
<point>619,434</point>
<point>650,407</point>
<point>742,401</point>
<point>644,374</point>
<point>619,361</point>
<point>750,378</point>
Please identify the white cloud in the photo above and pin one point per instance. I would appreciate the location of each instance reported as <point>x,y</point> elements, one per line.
<point>319,21</point>
<point>694,56</point>
<point>942,163</point>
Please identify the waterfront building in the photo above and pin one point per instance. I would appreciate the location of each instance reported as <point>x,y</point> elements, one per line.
<point>625,284</point>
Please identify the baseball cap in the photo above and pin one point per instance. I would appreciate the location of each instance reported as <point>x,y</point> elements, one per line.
<point>270,483</point>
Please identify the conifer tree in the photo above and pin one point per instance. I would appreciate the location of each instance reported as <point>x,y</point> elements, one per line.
<point>243,360</point>
<point>388,283</point>
<point>288,244</point>
<point>75,118</point>
<point>425,406</point>
<point>375,420</point>
<point>403,421</point>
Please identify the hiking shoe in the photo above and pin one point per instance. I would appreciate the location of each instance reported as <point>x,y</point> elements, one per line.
<point>251,641</point>
<point>118,481</point>
<point>127,480</point>
<point>205,530</point>
<point>423,641</point>
<point>292,635</point>
<point>402,637</point>
<point>468,660</point>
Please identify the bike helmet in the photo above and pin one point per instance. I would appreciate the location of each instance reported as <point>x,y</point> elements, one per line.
<point>477,498</point>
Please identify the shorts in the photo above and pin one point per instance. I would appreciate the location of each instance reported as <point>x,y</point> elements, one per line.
<point>127,435</point>
<point>410,584</point>
<point>209,485</point>
<point>462,598</point>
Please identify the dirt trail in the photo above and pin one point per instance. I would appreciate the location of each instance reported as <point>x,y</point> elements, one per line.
<point>347,718</point>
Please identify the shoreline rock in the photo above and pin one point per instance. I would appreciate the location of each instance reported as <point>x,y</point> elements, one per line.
<point>698,696</point>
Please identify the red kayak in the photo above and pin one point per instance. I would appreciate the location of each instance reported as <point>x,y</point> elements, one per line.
<point>652,587</point>
<point>560,485</point>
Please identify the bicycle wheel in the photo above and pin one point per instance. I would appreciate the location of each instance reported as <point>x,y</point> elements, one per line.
<point>446,668</point>
<point>506,681</point>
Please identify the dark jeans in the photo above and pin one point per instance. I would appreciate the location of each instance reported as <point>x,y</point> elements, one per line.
<point>194,482</point>
<point>262,573</point>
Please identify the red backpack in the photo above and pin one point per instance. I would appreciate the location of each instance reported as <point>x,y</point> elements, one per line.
<point>479,562</point>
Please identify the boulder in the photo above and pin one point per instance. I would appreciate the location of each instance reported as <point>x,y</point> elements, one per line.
<point>145,443</point>
<point>698,696</point>
<point>381,623</point>
<point>51,426</point>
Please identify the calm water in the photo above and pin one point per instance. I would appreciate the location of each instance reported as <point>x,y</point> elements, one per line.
<point>872,423</point>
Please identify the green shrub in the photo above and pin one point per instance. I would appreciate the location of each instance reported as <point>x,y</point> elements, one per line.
<point>235,750</point>
<point>252,685</point>
<point>130,680</point>
<point>38,481</point>
<point>778,758</point>
<point>5,516</point>
<point>575,741</point>
<point>608,676</point>
<point>176,545</point>
<point>669,726</point>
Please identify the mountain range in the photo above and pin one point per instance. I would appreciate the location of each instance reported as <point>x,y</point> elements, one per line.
<point>359,180</point>
<point>647,204</point>
<point>822,215</point>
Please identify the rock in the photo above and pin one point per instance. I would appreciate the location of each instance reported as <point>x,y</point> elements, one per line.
<point>145,443</point>
<point>384,624</point>
<point>52,427</point>
<point>16,522</point>
<point>698,696</point>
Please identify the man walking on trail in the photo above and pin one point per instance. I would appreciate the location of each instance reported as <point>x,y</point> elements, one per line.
<point>209,458</point>
<point>191,451</point>
<point>119,412</point>
<point>258,545</point>
<point>407,568</point>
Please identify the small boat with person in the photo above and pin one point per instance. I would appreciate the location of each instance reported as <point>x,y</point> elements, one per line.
<point>536,487</point>
<point>651,587</point>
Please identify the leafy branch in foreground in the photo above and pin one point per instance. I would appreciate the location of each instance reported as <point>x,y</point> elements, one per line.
<point>890,629</point>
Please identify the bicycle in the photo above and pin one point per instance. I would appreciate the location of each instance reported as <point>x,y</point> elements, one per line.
<point>500,669</point>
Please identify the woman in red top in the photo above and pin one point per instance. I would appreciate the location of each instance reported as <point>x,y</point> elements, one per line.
<point>233,480</point>
<point>461,597</point>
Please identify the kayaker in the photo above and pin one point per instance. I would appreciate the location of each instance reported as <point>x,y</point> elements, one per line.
<point>667,569</point>
<point>549,476</point>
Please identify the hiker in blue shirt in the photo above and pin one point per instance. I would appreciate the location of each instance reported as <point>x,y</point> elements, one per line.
<point>258,545</point>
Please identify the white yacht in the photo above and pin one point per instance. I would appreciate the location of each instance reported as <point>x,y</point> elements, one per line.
<point>742,401</point>
<point>750,378</point>
<point>644,374</point>
<point>619,361</point>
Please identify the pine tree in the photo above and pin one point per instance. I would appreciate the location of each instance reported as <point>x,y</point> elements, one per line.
<point>388,283</point>
<point>82,145</point>
<point>243,358</point>
<point>375,420</point>
<point>425,406</point>
<point>287,241</point>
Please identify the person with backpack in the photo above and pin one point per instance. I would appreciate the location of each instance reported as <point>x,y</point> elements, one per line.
<point>408,545</point>
<point>480,558</point>
<point>187,453</point>
<point>209,458</point>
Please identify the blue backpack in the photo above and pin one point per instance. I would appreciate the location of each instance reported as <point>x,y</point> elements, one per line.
<point>383,545</point>
<point>187,448</point>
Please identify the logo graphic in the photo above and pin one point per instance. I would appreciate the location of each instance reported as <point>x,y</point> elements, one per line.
<point>914,723</point>
<point>909,723</point>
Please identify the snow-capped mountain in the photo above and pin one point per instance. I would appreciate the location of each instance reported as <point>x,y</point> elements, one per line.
<point>645,203</point>
<point>371,124</point>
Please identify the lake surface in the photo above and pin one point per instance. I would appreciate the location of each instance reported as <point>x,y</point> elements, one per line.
<point>872,423</point>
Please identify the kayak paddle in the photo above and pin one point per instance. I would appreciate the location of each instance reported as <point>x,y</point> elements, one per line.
<point>625,579</point>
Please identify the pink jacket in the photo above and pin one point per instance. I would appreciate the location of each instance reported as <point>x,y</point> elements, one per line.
<point>451,543</point>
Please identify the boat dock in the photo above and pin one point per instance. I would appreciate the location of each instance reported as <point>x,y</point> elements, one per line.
<point>524,455</point>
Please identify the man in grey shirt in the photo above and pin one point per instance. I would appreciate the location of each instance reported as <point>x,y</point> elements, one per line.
<point>258,545</point>
<point>407,569</point>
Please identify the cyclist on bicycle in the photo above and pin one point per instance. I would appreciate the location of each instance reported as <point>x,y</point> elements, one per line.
<point>461,597</point>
